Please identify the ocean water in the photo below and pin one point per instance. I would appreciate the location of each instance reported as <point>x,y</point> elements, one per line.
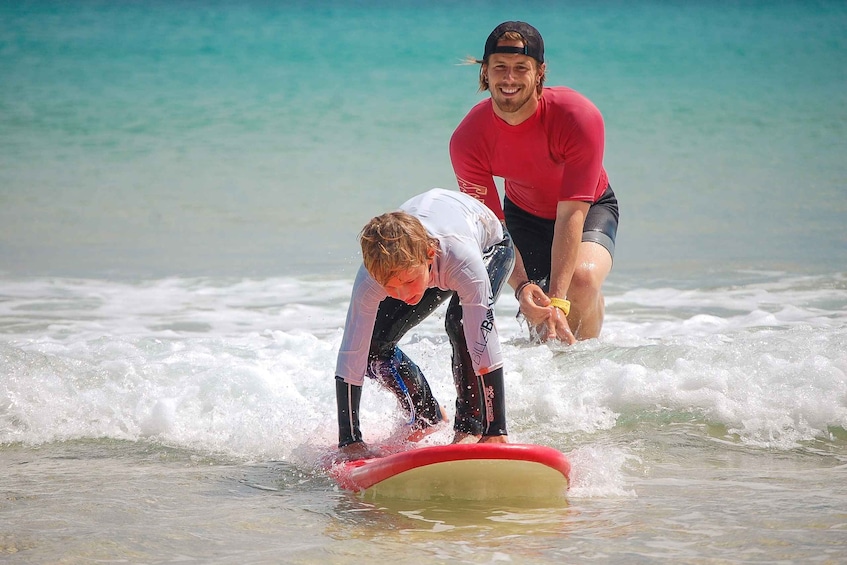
<point>181,185</point>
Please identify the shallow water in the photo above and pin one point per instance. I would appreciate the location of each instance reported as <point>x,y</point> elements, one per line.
<point>181,186</point>
<point>187,420</point>
<point>112,501</point>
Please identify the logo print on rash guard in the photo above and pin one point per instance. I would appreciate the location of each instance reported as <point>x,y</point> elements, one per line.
<point>485,329</point>
<point>471,189</point>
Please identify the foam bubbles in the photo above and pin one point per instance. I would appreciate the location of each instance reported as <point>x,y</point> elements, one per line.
<point>246,367</point>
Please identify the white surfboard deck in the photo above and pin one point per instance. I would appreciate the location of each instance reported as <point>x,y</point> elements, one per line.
<point>479,471</point>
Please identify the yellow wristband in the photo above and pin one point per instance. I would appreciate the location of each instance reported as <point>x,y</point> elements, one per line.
<point>561,304</point>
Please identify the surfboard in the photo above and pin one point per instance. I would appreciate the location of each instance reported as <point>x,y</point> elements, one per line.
<point>476,471</point>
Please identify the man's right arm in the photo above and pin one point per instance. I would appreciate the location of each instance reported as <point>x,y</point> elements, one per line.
<point>473,173</point>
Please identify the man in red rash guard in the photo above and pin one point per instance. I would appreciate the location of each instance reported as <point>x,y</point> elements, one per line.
<point>547,144</point>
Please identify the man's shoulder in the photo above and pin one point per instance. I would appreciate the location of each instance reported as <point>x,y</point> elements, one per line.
<point>473,124</point>
<point>480,111</point>
<point>566,99</point>
<point>561,93</point>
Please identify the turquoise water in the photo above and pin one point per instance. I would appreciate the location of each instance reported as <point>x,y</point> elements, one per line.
<point>181,185</point>
<point>153,138</point>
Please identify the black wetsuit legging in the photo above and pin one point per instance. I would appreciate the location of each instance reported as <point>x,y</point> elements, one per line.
<point>394,370</point>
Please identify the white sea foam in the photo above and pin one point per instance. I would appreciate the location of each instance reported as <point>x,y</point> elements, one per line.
<point>245,367</point>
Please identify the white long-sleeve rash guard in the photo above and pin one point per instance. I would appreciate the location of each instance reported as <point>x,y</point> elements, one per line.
<point>464,228</point>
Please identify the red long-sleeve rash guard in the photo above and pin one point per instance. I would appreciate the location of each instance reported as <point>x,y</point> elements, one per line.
<point>555,155</point>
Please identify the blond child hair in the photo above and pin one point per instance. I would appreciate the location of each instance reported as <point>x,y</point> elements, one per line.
<point>395,242</point>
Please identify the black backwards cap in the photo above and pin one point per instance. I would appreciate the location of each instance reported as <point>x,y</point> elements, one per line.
<point>533,44</point>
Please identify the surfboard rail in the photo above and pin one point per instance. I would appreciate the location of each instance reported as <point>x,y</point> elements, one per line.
<point>363,474</point>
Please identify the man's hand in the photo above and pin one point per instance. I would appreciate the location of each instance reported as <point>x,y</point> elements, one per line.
<point>549,322</point>
<point>534,304</point>
<point>562,328</point>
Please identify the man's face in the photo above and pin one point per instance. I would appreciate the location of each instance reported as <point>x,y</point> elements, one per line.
<point>512,80</point>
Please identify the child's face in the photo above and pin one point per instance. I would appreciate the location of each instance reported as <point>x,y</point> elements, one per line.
<point>409,285</point>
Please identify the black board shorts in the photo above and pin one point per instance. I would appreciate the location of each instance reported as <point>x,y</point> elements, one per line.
<point>533,236</point>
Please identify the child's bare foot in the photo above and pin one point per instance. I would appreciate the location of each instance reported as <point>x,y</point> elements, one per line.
<point>354,452</point>
<point>494,439</point>
<point>417,433</point>
<point>464,437</point>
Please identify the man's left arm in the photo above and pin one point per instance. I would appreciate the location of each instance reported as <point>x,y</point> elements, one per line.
<point>567,236</point>
<point>580,141</point>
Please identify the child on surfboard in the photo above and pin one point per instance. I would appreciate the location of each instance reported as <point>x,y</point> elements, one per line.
<point>439,245</point>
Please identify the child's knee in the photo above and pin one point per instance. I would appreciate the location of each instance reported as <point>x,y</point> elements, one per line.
<point>453,325</point>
